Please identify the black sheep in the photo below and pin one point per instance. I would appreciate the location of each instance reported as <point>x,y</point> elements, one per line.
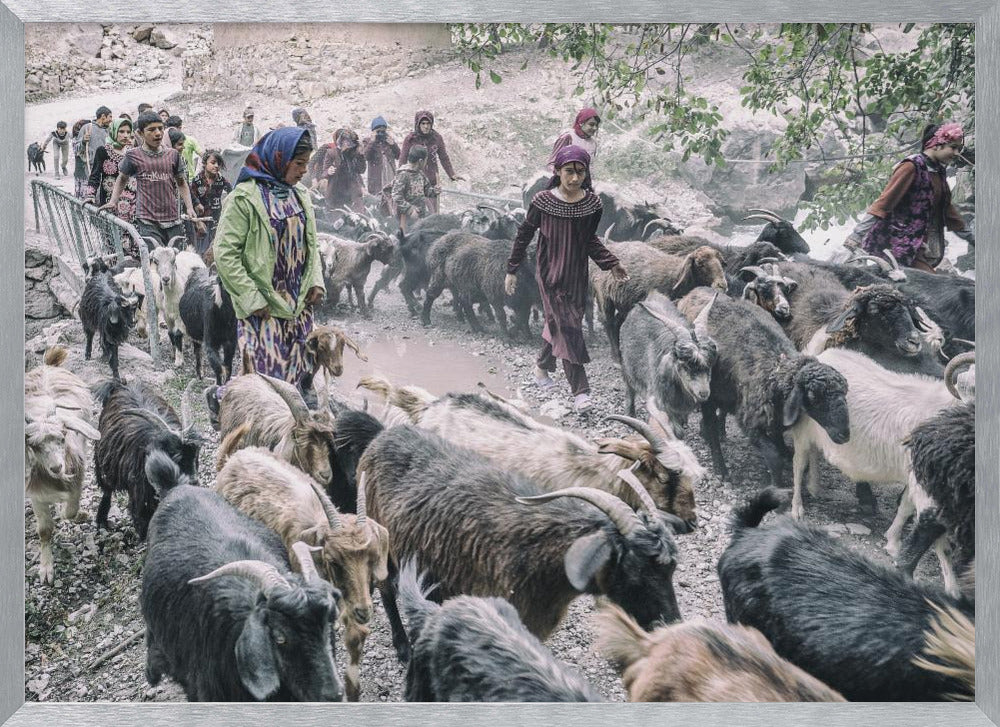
<point>207,311</point>
<point>135,423</point>
<point>106,310</point>
<point>853,623</point>
<point>225,616</point>
<point>477,650</point>
<point>760,377</point>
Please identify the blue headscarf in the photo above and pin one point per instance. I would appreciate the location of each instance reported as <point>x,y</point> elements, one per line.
<point>377,122</point>
<point>269,159</point>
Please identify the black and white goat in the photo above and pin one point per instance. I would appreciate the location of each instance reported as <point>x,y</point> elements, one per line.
<point>106,310</point>
<point>206,309</point>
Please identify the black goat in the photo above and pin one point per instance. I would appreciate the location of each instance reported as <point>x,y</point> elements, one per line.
<point>764,286</point>
<point>760,377</point>
<point>414,247</point>
<point>225,615</point>
<point>352,432</point>
<point>465,519</point>
<point>135,423</point>
<point>949,301</point>
<point>850,622</point>
<point>477,650</point>
<point>207,312</point>
<point>779,232</point>
<point>106,310</point>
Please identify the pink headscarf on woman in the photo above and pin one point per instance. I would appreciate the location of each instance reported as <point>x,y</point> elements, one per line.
<point>946,134</point>
<point>583,117</point>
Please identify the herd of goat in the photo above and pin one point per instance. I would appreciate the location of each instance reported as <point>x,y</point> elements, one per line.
<point>480,525</point>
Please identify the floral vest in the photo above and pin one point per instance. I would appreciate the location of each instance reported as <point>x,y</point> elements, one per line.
<point>906,229</point>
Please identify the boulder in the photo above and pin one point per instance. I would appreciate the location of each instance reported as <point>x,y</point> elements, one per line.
<point>163,38</point>
<point>142,32</point>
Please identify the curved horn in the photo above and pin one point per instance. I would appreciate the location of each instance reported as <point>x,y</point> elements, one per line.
<point>756,270</point>
<point>775,215</point>
<point>502,213</point>
<point>150,416</point>
<point>628,476</point>
<point>303,551</point>
<point>263,574</point>
<point>332,516</point>
<point>623,516</point>
<point>642,428</point>
<point>765,218</point>
<point>607,232</point>
<point>186,404</point>
<point>962,359</point>
<point>701,321</point>
<point>956,340</point>
<point>362,503</point>
<point>674,325</point>
<point>291,397</point>
<point>770,260</point>
<point>659,221</point>
<point>892,259</point>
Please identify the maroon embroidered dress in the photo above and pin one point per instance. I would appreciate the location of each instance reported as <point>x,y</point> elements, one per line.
<point>279,345</point>
<point>566,238</point>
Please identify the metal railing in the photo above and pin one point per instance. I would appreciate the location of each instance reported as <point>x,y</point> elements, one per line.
<point>83,232</point>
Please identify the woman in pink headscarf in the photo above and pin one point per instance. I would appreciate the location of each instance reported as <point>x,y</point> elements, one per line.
<point>583,134</point>
<point>566,216</point>
<point>909,217</point>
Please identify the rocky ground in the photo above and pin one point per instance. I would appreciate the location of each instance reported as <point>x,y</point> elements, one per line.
<point>93,605</point>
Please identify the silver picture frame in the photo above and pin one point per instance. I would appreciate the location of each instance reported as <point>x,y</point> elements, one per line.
<point>986,709</point>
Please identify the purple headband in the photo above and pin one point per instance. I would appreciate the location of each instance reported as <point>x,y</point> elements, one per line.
<point>946,134</point>
<point>571,154</point>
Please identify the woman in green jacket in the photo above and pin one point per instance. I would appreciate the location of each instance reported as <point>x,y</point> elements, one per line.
<point>266,254</point>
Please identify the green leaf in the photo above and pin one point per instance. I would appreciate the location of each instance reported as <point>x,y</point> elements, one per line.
<point>495,77</point>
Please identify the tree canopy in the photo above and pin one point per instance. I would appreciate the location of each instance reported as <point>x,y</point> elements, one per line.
<point>833,84</point>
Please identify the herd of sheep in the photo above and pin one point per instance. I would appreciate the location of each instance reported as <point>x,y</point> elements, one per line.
<point>480,525</point>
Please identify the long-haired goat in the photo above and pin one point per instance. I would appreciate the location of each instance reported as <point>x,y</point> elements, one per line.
<point>853,623</point>
<point>702,661</point>
<point>347,263</point>
<point>473,649</point>
<point>58,421</point>
<point>105,309</point>
<point>174,269</point>
<point>136,422</point>
<point>760,377</point>
<point>206,308</point>
<point>225,616</point>
<point>280,421</point>
<point>352,550</point>
<point>481,529</point>
<point>549,456</point>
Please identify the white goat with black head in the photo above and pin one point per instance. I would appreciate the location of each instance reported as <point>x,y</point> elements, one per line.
<point>59,413</point>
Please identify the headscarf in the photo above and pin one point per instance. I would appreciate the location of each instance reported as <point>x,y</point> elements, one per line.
<point>571,154</point>
<point>269,159</point>
<point>379,122</point>
<point>582,118</point>
<point>946,134</point>
<point>420,116</point>
<point>345,139</point>
<point>297,113</point>
<point>112,140</point>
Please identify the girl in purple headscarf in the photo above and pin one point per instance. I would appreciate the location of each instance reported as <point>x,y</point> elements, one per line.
<point>909,217</point>
<point>566,216</point>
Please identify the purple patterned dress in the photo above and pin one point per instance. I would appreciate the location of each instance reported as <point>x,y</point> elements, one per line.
<point>278,345</point>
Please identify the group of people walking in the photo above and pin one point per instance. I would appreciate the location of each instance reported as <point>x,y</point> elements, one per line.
<point>265,245</point>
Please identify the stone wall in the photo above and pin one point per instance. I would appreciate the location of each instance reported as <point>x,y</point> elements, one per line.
<point>47,295</point>
<point>306,62</point>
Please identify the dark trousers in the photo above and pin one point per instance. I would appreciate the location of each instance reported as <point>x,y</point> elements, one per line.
<point>575,373</point>
<point>160,235</point>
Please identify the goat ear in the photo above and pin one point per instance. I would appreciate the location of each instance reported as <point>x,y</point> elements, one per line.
<point>314,535</point>
<point>843,319</point>
<point>621,447</point>
<point>585,558</point>
<point>685,283</point>
<point>793,408</point>
<point>380,568</point>
<point>82,427</point>
<point>750,293</point>
<point>255,658</point>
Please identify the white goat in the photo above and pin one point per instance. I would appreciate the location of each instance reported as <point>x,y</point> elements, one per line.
<point>174,269</point>
<point>130,281</point>
<point>883,408</point>
<point>59,413</point>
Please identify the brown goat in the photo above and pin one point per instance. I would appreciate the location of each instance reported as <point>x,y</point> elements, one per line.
<point>701,661</point>
<point>325,351</point>
<point>351,551</point>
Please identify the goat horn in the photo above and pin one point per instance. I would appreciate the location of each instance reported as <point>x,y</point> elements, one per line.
<point>642,428</point>
<point>263,574</point>
<point>186,404</point>
<point>499,211</point>
<point>607,232</point>
<point>659,222</point>
<point>151,416</point>
<point>956,340</point>
<point>623,516</point>
<point>701,321</point>
<point>351,344</point>
<point>766,218</point>
<point>756,270</point>
<point>291,397</point>
<point>769,260</point>
<point>303,551</point>
<point>961,360</point>
<point>892,259</point>
<point>362,503</point>
<point>628,476</point>
<point>332,516</point>
<point>674,325</point>
<point>762,211</point>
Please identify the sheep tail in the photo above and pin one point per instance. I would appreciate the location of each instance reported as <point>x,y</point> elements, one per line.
<point>55,356</point>
<point>413,599</point>
<point>411,399</point>
<point>750,515</point>
<point>619,638</point>
<point>950,649</point>
<point>230,443</point>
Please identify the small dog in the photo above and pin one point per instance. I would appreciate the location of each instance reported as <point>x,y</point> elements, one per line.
<point>36,157</point>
